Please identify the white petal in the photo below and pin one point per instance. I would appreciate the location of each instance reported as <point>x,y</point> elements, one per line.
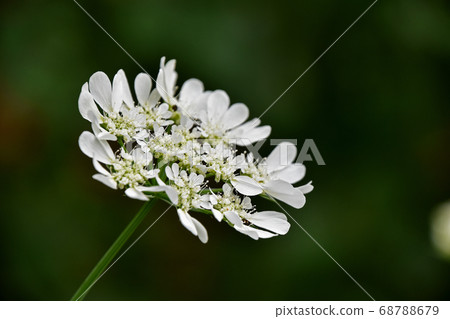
<point>169,173</point>
<point>285,192</point>
<point>172,194</point>
<point>218,102</point>
<point>186,122</point>
<point>190,90</point>
<point>170,191</point>
<point>249,231</point>
<point>234,218</point>
<point>154,97</point>
<point>198,107</point>
<point>235,115</point>
<point>246,185</point>
<point>100,87</point>
<point>246,203</point>
<point>160,86</point>
<point>100,168</point>
<point>121,91</point>
<point>175,169</point>
<point>187,221</point>
<point>170,75</point>
<point>86,141</point>
<point>254,135</point>
<point>101,133</point>
<point>227,189</point>
<point>107,180</point>
<point>291,173</point>
<point>95,148</point>
<point>305,189</point>
<point>273,221</point>
<point>282,155</point>
<point>262,233</point>
<point>142,87</point>
<point>248,133</point>
<point>201,231</point>
<point>86,106</point>
<point>136,194</point>
<point>165,82</point>
<point>218,215</point>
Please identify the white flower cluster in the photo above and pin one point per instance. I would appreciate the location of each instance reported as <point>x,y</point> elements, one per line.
<point>182,148</point>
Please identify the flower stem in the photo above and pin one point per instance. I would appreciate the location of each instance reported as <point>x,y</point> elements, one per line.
<point>112,251</point>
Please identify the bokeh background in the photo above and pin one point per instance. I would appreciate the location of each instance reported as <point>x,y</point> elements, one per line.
<point>376,105</point>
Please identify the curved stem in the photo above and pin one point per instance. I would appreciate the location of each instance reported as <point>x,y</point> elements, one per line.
<point>112,251</point>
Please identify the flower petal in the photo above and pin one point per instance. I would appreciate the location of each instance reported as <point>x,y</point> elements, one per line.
<point>233,218</point>
<point>190,90</point>
<point>187,221</point>
<point>291,173</point>
<point>170,191</point>
<point>107,180</point>
<point>201,231</point>
<point>262,233</point>
<point>175,169</point>
<point>136,194</point>
<point>142,87</point>
<point>235,115</point>
<point>218,102</point>
<point>95,148</point>
<point>218,215</point>
<point>100,88</point>
<point>100,168</point>
<point>285,192</point>
<point>121,91</point>
<point>165,82</point>
<point>281,156</point>
<point>270,220</point>
<point>87,107</point>
<point>169,173</point>
<point>307,188</point>
<point>246,185</point>
<point>248,133</point>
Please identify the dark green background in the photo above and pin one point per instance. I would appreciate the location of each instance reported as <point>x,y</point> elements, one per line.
<point>377,106</point>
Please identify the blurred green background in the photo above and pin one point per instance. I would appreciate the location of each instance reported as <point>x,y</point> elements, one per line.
<point>377,106</point>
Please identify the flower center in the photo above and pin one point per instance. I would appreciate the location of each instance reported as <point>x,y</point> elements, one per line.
<point>120,125</point>
<point>188,192</point>
<point>128,173</point>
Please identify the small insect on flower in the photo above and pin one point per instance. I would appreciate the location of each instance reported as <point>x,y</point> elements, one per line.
<point>174,146</point>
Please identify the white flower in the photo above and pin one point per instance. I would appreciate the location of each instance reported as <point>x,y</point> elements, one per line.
<point>188,188</point>
<point>192,136</point>
<point>269,220</point>
<point>167,146</point>
<point>241,214</point>
<point>129,171</point>
<point>222,122</point>
<point>275,176</point>
<point>192,99</point>
<point>221,161</point>
<point>166,80</point>
<point>119,118</point>
<point>154,113</point>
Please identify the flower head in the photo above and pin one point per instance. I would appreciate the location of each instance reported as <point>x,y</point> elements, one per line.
<point>175,146</point>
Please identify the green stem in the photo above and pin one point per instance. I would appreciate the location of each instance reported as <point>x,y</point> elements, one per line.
<point>112,251</point>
